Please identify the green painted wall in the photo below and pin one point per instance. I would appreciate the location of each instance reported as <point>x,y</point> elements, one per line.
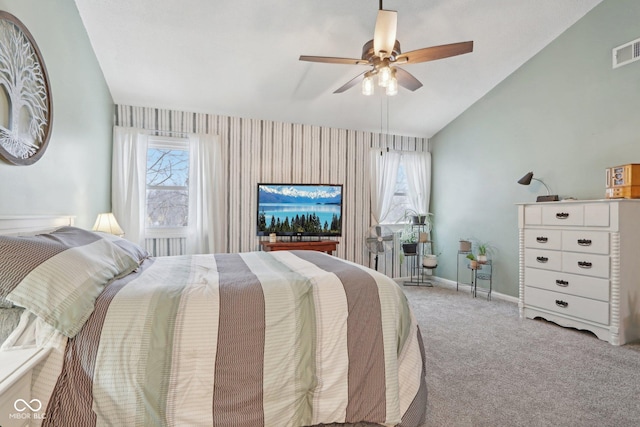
<point>74,174</point>
<point>566,115</point>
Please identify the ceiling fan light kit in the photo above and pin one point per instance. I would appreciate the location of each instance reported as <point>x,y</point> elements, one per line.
<point>367,84</point>
<point>385,33</point>
<point>383,55</point>
<point>384,76</point>
<point>392,86</point>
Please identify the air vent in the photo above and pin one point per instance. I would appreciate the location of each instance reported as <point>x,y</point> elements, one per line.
<point>626,54</point>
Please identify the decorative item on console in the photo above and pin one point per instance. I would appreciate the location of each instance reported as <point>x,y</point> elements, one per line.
<point>620,182</point>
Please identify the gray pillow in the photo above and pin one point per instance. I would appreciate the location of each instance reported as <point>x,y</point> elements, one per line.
<point>58,276</point>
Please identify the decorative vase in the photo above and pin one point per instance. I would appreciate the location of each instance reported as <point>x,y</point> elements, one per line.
<point>482,259</point>
<point>473,264</point>
<point>430,261</point>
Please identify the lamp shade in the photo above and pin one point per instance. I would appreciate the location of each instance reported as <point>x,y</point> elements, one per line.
<point>526,180</point>
<point>106,223</point>
<point>384,36</point>
<point>367,85</point>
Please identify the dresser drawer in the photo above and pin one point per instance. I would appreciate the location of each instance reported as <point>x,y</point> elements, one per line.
<point>538,258</point>
<point>543,239</point>
<point>595,242</point>
<point>582,286</point>
<point>587,264</point>
<point>533,215</point>
<point>568,305</point>
<point>597,215</point>
<point>563,214</point>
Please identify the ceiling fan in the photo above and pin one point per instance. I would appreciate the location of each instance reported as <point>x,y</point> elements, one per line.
<point>383,55</point>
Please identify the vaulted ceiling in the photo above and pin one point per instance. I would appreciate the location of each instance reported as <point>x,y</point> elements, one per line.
<point>240,57</point>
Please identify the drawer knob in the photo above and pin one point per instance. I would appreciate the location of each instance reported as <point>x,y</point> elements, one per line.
<point>562,283</point>
<point>561,303</point>
<point>542,259</point>
<point>584,242</point>
<point>542,239</point>
<point>584,264</point>
<point>562,215</point>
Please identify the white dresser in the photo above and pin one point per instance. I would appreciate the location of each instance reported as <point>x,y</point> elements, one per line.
<point>17,408</point>
<point>580,265</point>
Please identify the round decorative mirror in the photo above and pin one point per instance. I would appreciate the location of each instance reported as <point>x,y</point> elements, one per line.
<point>25,96</point>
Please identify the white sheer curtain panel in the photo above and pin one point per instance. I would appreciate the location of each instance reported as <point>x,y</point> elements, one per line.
<point>128,181</point>
<point>384,171</point>
<point>417,165</point>
<point>206,196</point>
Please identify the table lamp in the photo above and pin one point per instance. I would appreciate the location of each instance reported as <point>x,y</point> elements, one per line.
<point>526,180</point>
<point>106,223</point>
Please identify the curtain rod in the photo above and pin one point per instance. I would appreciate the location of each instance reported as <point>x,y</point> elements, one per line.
<point>387,149</point>
<point>173,132</point>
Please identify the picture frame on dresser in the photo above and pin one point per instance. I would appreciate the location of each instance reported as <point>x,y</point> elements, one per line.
<point>578,265</point>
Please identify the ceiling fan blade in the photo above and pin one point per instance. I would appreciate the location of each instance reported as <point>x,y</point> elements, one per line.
<point>406,80</point>
<point>435,52</point>
<point>384,37</point>
<point>333,60</point>
<point>351,83</point>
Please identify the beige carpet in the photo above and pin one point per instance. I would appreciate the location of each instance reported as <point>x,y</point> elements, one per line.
<point>488,367</point>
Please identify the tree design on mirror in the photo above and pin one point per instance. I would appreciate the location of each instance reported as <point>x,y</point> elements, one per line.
<point>25,98</point>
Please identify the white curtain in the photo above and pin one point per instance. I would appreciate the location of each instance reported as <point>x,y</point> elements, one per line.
<point>128,181</point>
<point>206,196</point>
<point>384,171</point>
<point>417,165</point>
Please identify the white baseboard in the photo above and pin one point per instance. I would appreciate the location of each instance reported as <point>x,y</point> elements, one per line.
<point>451,284</point>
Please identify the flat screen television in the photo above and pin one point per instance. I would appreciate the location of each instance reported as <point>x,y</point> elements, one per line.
<point>300,209</point>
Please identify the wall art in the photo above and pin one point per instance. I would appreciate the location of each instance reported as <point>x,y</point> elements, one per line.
<point>25,96</point>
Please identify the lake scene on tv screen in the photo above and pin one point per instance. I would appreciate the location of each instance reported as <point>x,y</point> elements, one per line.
<point>299,209</point>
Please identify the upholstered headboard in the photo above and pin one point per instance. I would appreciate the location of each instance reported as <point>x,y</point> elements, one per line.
<point>31,224</point>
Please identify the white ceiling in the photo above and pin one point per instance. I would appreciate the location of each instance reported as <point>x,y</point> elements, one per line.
<point>240,57</point>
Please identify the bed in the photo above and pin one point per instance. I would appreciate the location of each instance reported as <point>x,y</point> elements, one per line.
<point>288,338</point>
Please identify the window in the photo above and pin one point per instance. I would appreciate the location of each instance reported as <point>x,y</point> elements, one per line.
<point>167,199</point>
<point>400,201</point>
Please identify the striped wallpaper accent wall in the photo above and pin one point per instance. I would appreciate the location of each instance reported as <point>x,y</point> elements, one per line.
<point>257,150</point>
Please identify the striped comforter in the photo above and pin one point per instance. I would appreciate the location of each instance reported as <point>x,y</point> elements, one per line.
<point>263,338</point>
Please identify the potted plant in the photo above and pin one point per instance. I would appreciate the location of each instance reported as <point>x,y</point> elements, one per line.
<point>430,260</point>
<point>482,254</point>
<point>409,239</point>
<point>416,218</point>
<point>465,245</point>
<point>484,250</point>
<point>473,262</point>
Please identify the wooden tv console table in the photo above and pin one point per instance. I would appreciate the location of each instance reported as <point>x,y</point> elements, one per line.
<point>327,246</point>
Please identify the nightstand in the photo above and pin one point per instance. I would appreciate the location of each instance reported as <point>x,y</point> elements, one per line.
<point>17,408</point>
